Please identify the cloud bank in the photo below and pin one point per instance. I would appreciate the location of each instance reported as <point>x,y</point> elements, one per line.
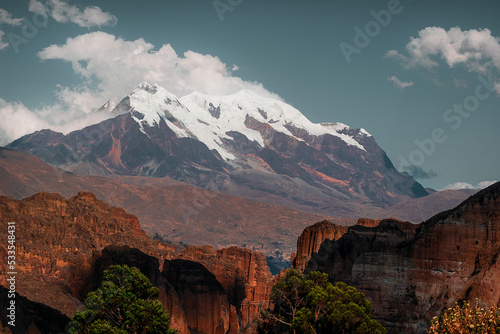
<point>464,185</point>
<point>110,68</point>
<point>116,66</point>
<point>475,49</point>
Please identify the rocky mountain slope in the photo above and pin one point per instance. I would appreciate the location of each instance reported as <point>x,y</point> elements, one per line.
<point>242,144</point>
<point>63,246</point>
<point>175,211</point>
<point>413,272</point>
<point>417,210</point>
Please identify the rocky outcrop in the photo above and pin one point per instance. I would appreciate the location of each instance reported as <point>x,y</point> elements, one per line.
<point>245,276</point>
<point>58,241</point>
<point>413,272</point>
<point>201,294</point>
<point>63,247</point>
<point>310,240</point>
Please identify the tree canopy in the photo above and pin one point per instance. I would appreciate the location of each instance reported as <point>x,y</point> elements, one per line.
<point>124,303</point>
<point>311,304</point>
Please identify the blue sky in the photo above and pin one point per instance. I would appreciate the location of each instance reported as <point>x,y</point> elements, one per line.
<point>421,76</point>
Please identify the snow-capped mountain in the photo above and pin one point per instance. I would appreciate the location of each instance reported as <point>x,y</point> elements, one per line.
<point>241,144</point>
<point>209,119</point>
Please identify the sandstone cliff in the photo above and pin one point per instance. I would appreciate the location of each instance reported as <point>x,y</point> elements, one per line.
<point>310,241</point>
<point>63,246</point>
<point>245,276</point>
<point>413,272</point>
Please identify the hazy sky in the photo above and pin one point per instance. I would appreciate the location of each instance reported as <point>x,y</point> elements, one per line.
<point>421,76</point>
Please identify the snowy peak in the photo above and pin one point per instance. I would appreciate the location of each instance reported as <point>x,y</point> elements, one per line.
<point>211,119</point>
<point>151,103</point>
<point>278,114</point>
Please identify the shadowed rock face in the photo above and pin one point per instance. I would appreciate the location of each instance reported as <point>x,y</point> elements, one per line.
<point>245,276</point>
<point>413,272</point>
<point>201,294</point>
<point>63,247</point>
<point>31,317</point>
<point>310,241</point>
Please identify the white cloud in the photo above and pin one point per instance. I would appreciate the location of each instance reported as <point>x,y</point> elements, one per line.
<point>111,68</point>
<point>63,12</point>
<point>17,120</point>
<point>3,44</point>
<point>476,49</point>
<point>398,83</point>
<point>464,185</point>
<point>14,114</point>
<point>37,7</point>
<point>6,18</point>
<point>485,184</point>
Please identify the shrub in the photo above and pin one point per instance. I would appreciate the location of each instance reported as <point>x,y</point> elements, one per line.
<point>464,318</point>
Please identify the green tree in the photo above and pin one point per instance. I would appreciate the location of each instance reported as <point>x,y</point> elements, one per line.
<point>311,304</point>
<point>464,319</point>
<point>124,303</point>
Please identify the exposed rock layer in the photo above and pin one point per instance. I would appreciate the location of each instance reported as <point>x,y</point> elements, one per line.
<point>413,272</point>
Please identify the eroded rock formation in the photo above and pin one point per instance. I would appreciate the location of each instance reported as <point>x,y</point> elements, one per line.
<point>310,240</point>
<point>413,272</point>
<point>245,276</point>
<point>63,247</point>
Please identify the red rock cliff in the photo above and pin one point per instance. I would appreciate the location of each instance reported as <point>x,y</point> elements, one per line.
<point>62,249</point>
<point>413,272</point>
<point>245,276</point>
<point>310,240</point>
<point>58,240</point>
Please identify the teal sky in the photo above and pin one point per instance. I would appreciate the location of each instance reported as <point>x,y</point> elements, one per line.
<point>293,49</point>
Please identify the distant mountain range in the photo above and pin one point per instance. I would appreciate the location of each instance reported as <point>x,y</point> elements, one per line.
<point>242,144</point>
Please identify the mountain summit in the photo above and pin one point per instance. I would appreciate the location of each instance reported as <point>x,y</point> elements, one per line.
<point>209,119</point>
<point>241,144</point>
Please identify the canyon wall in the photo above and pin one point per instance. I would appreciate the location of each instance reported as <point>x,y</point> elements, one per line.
<point>412,272</point>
